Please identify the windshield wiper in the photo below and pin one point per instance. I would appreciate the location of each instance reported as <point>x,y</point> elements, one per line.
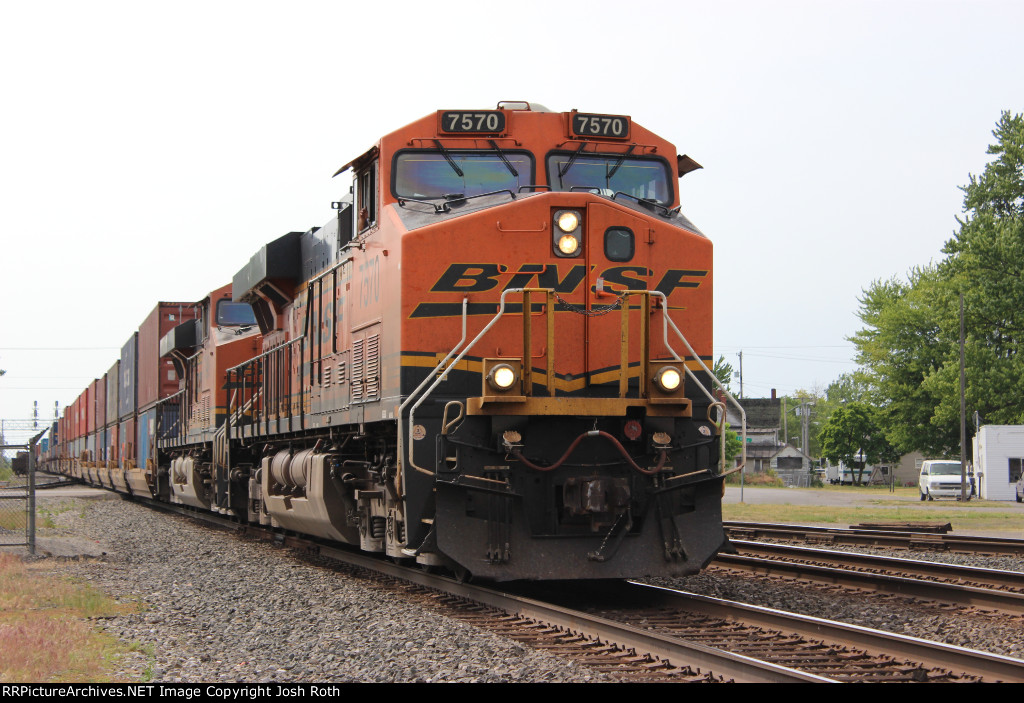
<point>448,158</point>
<point>572,159</point>
<point>501,154</point>
<point>619,162</point>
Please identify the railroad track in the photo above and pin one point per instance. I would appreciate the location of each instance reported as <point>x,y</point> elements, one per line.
<point>988,589</point>
<point>42,481</point>
<point>877,538</point>
<point>639,632</point>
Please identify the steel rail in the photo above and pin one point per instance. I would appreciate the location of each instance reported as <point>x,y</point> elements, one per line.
<point>974,575</point>
<point>991,667</point>
<point>764,559</point>
<point>680,653</point>
<point>879,538</point>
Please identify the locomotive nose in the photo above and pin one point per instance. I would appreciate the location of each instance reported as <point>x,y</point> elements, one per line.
<point>618,263</point>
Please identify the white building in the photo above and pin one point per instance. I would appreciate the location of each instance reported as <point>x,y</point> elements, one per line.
<point>998,456</point>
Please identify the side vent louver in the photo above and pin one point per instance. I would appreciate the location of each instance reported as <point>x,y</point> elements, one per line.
<point>357,370</point>
<point>365,369</point>
<point>373,367</point>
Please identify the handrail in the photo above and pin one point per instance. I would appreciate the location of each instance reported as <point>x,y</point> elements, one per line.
<point>501,311</point>
<point>743,414</point>
<point>401,408</point>
<point>458,198</point>
<point>178,428</point>
<point>280,346</point>
<point>444,375</point>
<point>643,202</point>
<point>526,357</point>
<point>438,209</point>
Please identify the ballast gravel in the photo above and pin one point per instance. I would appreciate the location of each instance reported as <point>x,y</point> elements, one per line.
<point>217,608</point>
<point>986,631</point>
<point>214,608</point>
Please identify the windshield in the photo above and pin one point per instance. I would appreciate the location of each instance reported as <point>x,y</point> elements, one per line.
<point>434,174</point>
<point>945,468</point>
<point>611,173</point>
<point>230,313</point>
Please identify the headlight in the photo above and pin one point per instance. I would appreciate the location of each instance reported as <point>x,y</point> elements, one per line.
<point>568,244</point>
<point>567,221</point>
<point>502,377</point>
<point>568,232</point>
<point>668,379</point>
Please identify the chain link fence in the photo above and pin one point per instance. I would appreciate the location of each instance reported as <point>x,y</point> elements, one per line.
<point>795,478</point>
<point>17,482</point>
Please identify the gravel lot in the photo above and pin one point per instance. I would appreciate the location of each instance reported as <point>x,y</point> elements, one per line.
<point>218,608</point>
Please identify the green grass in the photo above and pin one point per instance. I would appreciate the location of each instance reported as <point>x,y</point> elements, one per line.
<point>964,519</point>
<point>45,629</point>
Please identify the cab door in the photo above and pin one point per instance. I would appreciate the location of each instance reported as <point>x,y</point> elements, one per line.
<point>618,245</point>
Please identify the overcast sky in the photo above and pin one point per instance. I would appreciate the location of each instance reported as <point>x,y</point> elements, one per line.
<point>148,150</point>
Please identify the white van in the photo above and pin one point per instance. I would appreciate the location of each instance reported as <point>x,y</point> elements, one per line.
<point>941,479</point>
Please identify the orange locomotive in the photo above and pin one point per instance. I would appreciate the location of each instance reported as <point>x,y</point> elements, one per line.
<point>194,459</point>
<point>493,359</point>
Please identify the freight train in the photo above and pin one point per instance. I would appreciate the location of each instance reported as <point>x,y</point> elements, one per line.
<point>493,359</point>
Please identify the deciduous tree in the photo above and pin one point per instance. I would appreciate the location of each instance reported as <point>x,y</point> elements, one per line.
<point>853,435</point>
<point>909,347</point>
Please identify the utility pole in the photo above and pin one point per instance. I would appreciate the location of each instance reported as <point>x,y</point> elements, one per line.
<point>804,410</point>
<point>964,496</point>
<point>785,422</point>
<point>741,373</point>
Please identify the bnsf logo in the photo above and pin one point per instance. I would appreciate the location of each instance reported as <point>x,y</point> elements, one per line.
<point>478,278</point>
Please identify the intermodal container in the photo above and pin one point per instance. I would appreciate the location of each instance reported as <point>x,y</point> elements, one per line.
<point>114,453</point>
<point>101,402</point>
<point>146,434</point>
<point>126,434</point>
<point>76,421</point>
<point>90,408</point>
<point>113,385</point>
<point>127,371</point>
<point>156,377</point>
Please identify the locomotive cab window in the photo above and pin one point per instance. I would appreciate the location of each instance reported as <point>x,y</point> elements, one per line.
<point>438,174</point>
<point>619,243</point>
<point>643,178</point>
<point>232,314</point>
<point>366,198</point>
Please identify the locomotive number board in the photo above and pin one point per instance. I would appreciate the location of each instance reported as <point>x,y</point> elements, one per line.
<point>475,122</point>
<point>607,126</point>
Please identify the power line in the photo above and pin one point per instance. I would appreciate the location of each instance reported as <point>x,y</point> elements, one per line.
<point>818,359</point>
<point>42,388</point>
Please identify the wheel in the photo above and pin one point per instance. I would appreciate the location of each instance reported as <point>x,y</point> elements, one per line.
<point>1019,499</point>
<point>931,497</point>
<point>923,496</point>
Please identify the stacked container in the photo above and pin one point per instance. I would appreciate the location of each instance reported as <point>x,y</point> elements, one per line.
<point>155,377</point>
<point>110,418</point>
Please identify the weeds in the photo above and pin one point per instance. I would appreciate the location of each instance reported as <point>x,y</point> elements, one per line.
<point>45,635</point>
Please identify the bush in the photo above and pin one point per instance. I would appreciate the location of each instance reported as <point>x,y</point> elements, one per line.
<point>756,478</point>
